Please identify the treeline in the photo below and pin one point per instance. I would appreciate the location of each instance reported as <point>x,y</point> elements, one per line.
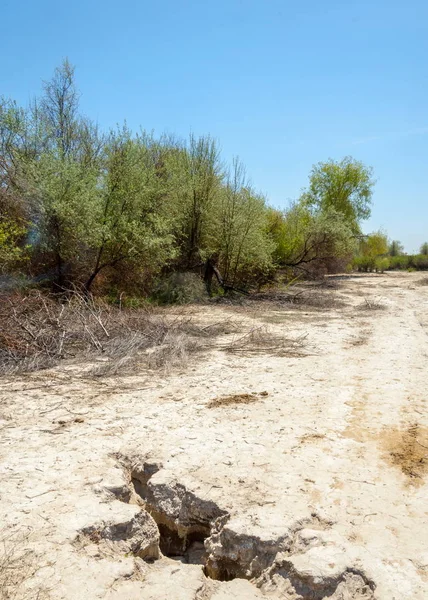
<point>119,211</point>
<point>377,253</point>
<point>404,262</point>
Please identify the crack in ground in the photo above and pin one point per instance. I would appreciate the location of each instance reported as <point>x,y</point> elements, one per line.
<point>176,523</point>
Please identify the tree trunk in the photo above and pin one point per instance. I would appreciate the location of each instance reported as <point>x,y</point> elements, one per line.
<point>210,271</point>
<point>89,282</point>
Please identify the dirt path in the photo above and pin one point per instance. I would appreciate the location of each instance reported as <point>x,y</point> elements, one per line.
<point>276,476</point>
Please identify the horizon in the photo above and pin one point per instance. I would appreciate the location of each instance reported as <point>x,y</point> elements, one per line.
<point>359,71</point>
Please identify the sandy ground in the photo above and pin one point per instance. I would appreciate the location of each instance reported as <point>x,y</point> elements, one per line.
<point>305,474</point>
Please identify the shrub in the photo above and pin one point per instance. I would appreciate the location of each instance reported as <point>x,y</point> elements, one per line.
<point>399,262</point>
<point>371,304</point>
<point>37,331</point>
<point>180,288</point>
<point>364,263</point>
<point>381,264</point>
<point>420,262</point>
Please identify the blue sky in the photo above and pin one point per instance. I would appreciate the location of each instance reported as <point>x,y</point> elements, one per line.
<point>281,84</point>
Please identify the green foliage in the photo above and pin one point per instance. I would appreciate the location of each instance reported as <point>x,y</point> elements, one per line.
<point>94,201</point>
<point>419,262</point>
<point>404,262</point>
<point>345,187</point>
<point>237,235</point>
<point>303,238</point>
<point>373,249</point>
<point>374,245</point>
<point>130,222</point>
<point>194,174</point>
<point>363,263</point>
<point>117,298</point>
<point>381,264</point>
<point>424,249</point>
<point>333,233</point>
<point>395,248</point>
<point>289,230</point>
<point>63,193</point>
<point>49,165</point>
<point>398,263</point>
<point>117,211</point>
<point>11,253</point>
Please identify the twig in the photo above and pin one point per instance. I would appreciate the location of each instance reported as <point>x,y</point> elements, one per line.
<point>79,414</point>
<point>426,447</point>
<point>42,494</point>
<point>44,412</point>
<point>361,481</point>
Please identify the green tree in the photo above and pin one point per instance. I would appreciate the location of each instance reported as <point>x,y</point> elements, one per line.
<point>395,248</point>
<point>11,249</point>
<point>131,223</point>
<point>303,238</point>
<point>195,176</point>
<point>94,201</point>
<point>345,186</point>
<point>375,244</point>
<point>238,239</point>
<point>289,229</point>
<point>372,248</point>
<point>130,206</point>
<point>51,162</point>
<point>13,146</point>
<point>424,249</point>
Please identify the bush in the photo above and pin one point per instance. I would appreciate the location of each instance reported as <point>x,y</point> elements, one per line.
<point>364,263</point>
<point>399,262</point>
<point>381,264</point>
<point>37,331</point>
<point>180,288</point>
<point>418,262</point>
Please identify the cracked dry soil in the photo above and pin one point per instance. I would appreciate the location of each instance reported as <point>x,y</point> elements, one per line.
<point>244,476</point>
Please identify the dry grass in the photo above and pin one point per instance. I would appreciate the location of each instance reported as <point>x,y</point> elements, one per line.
<point>359,340</point>
<point>169,349</point>
<point>320,297</point>
<point>37,331</point>
<point>261,340</point>
<point>18,566</point>
<point>371,304</point>
<point>223,327</point>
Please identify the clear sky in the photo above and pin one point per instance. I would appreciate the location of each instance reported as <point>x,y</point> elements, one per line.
<point>281,84</point>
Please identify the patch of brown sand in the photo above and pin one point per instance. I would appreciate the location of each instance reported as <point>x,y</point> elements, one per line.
<point>408,450</point>
<point>235,399</point>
